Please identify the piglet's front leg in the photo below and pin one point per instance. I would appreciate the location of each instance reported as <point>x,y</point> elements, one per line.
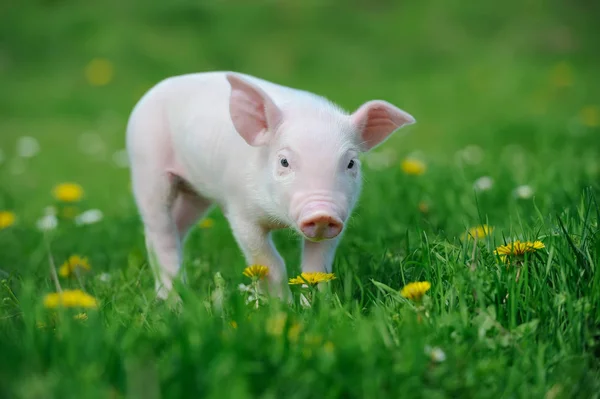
<point>258,248</point>
<point>318,256</point>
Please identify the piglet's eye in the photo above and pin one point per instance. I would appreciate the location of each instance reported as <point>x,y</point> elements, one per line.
<point>351,164</point>
<point>284,162</point>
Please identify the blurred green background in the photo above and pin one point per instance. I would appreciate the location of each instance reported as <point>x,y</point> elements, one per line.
<point>470,72</point>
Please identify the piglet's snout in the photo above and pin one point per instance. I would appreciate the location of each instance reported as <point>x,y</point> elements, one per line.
<point>320,223</point>
<point>321,227</point>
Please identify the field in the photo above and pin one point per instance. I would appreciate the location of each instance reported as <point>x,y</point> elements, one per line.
<point>507,101</point>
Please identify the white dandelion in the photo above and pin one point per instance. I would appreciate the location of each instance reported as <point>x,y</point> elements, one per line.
<point>484,183</point>
<point>436,354</point>
<point>48,222</point>
<point>523,192</point>
<point>90,216</point>
<point>27,147</point>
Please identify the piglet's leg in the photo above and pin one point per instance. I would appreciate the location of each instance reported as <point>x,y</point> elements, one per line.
<point>156,196</point>
<point>257,245</point>
<point>318,256</point>
<point>187,208</point>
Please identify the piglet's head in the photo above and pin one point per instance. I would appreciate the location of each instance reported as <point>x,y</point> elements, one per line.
<point>308,159</point>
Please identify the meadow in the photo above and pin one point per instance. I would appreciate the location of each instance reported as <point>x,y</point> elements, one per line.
<point>506,148</point>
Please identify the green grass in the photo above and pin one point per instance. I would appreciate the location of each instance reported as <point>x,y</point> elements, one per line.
<point>511,79</point>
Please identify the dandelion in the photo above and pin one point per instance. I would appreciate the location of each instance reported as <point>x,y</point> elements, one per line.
<point>7,219</point>
<point>89,217</point>
<point>590,116</point>
<point>104,277</point>
<point>413,167</point>
<point>48,222</point>
<point>415,291</point>
<point>518,249</point>
<point>312,278</point>
<point>523,192</point>
<point>99,72</point>
<point>256,271</point>
<point>27,147</point>
<point>478,232</point>
<point>206,223</point>
<point>68,192</point>
<point>484,183</point>
<point>73,263</point>
<point>233,324</point>
<point>70,299</point>
<point>436,354</point>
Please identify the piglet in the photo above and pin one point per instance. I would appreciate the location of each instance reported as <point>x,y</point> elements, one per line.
<point>269,156</point>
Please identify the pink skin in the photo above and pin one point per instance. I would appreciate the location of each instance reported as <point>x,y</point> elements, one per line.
<point>268,155</point>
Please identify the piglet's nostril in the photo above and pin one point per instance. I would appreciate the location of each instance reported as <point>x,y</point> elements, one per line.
<point>321,227</point>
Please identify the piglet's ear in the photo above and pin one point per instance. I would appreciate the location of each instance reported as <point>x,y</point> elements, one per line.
<point>253,113</point>
<point>376,120</point>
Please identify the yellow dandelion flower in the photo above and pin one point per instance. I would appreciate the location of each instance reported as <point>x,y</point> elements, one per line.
<point>233,324</point>
<point>413,167</point>
<point>478,232</point>
<point>206,223</point>
<point>74,262</point>
<point>312,278</point>
<point>518,248</point>
<point>590,116</point>
<point>99,72</point>
<point>7,219</point>
<point>415,291</point>
<point>70,299</point>
<point>256,271</point>
<point>68,192</point>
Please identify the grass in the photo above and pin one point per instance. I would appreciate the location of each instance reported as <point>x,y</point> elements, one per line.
<point>507,91</point>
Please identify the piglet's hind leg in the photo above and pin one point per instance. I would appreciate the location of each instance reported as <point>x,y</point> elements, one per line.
<point>162,238</point>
